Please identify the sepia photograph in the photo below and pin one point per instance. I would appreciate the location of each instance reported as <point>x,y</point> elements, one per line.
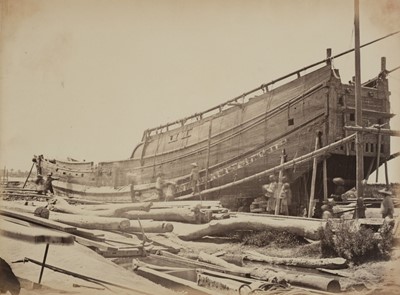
<point>199,147</point>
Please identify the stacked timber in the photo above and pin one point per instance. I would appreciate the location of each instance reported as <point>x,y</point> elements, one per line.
<point>258,205</point>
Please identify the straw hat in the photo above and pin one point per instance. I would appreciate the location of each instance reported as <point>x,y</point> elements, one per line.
<point>338,181</point>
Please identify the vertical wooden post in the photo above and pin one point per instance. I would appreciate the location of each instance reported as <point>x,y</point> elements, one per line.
<point>386,176</point>
<point>325,179</point>
<point>277,193</point>
<point>378,156</point>
<point>313,178</point>
<point>208,153</point>
<point>358,102</point>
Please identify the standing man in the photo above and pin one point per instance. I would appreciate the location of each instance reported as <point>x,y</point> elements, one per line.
<point>387,207</point>
<point>48,185</point>
<point>40,184</point>
<point>160,186</point>
<point>270,194</point>
<point>194,178</point>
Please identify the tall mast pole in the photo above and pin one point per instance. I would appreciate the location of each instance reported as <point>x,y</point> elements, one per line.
<point>358,102</point>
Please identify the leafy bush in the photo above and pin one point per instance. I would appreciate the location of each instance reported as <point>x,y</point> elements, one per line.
<point>357,244</point>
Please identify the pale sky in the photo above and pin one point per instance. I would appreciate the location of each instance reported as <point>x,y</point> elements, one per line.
<point>85,78</point>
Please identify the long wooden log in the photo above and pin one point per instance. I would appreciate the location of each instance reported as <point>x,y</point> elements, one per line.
<point>192,204</point>
<point>302,227</point>
<point>149,226</point>
<point>220,262</point>
<point>329,263</point>
<point>58,204</point>
<point>91,222</point>
<point>186,215</point>
<point>128,206</point>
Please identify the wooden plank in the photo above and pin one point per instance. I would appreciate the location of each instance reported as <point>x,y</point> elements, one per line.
<point>181,284</point>
<point>38,220</point>
<point>98,245</point>
<point>34,234</point>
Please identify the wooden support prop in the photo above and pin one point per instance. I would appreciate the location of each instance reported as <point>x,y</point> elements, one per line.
<point>387,176</point>
<point>279,187</point>
<point>29,174</point>
<point>330,263</point>
<point>313,178</point>
<point>325,179</point>
<point>378,157</point>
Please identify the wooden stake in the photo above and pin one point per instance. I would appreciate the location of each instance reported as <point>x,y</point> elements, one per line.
<point>325,176</point>
<point>314,176</point>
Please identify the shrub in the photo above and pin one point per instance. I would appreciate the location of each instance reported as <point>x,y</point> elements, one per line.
<point>357,244</point>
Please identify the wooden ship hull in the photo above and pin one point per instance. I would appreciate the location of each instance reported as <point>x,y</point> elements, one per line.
<point>242,138</point>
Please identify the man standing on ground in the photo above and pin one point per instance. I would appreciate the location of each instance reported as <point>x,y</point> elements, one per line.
<point>194,178</point>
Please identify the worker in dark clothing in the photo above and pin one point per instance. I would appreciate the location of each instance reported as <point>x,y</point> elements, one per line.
<point>40,184</point>
<point>387,207</point>
<point>194,178</point>
<point>8,281</point>
<point>48,185</point>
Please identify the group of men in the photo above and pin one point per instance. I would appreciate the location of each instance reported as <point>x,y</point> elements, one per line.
<point>278,197</point>
<point>386,208</point>
<point>45,186</point>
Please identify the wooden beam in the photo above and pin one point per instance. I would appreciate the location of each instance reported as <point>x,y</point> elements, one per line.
<point>378,156</point>
<point>313,179</point>
<point>325,179</point>
<point>373,130</point>
<point>34,234</point>
<point>358,102</point>
<point>38,220</point>
<point>369,112</point>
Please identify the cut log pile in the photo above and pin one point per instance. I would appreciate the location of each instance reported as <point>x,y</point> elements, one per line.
<point>146,231</point>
